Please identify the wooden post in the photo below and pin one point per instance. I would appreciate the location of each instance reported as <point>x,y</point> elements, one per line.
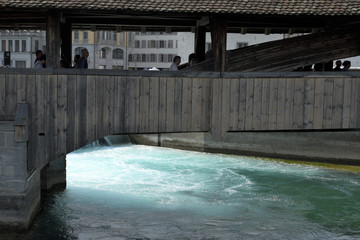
<point>200,43</point>
<point>53,39</point>
<point>65,35</point>
<point>218,39</point>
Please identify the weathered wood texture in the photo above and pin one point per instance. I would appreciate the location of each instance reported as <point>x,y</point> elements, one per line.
<point>67,112</point>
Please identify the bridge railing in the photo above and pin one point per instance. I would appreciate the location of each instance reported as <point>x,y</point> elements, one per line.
<point>69,108</point>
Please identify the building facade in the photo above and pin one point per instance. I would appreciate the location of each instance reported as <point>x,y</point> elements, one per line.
<point>22,46</point>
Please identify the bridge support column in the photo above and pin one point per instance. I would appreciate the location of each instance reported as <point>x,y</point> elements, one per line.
<point>54,174</point>
<point>19,188</point>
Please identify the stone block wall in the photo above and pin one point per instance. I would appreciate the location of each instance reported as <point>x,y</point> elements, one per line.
<point>19,188</point>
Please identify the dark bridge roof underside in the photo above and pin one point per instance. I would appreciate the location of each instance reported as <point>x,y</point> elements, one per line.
<point>276,16</point>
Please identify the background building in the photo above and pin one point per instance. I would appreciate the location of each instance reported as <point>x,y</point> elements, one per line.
<point>22,46</point>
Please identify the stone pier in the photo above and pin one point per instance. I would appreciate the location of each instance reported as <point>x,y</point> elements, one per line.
<point>19,187</point>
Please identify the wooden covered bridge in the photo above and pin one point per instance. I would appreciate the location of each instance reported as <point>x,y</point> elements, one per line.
<point>55,111</point>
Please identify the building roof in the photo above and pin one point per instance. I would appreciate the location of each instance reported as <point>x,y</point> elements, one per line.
<point>242,16</point>
<point>258,7</point>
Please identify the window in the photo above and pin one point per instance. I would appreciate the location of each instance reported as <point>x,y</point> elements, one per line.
<point>241,44</point>
<point>130,58</point>
<point>10,43</point>
<point>143,57</point>
<point>36,45</point>
<point>143,44</point>
<point>115,36</point>
<point>76,36</point>
<point>118,54</point>
<point>106,35</point>
<point>137,44</point>
<point>122,37</point>
<point>161,57</point>
<point>162,44</point>
<point>85,36</point>
<point>151,43</point>
<point>3,45</point>
<point>20,64</point>
<point>23,45</point>
<point>170,44</point>
<point>170,58</point>
<point>102,53</point>
<point>17,45</point>
<point>152,57</point>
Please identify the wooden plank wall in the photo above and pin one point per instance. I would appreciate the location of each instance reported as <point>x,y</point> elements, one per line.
<point>69,111</point>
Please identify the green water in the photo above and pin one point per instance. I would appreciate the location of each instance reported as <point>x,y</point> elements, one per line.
<point>141,192</point>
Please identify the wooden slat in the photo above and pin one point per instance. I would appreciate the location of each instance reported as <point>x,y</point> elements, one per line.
<point>186,104</point>
<point>346,103</point>
<point>51,117</point>
<point>309,103</point>
<point>225,105</point>
<point>257,103</point>
<point>62,113</point>
<point>109,114</point>
<point>177,104</point>
<point>298,115</point>
<point>33,126</point>
<point>273,94</point>
<point>170,104</point>
<point>91,108</point>
<point>71,113</point>
<point>338,103</point>
<point>289,103</point>
<point>154,83</point>
<point>281,99</point>
<point>130,105</point>
<point>242,104</point>
<point>144,104</point>
<point>196,104</point>
<point>162,104</point>
<point>357,103</point>
<point>328,104</point>
<point>353,102</point>
<point>319,103</point>
<point>265,103</point>
<point>205,104</point>
<point>10,94</point>
<point>137,104</point>
<point>81,111</point>
<point>2,94</point>
<point>21,88</point>
<point>249,104</point>
<point>216,108</point>
<point>234,103</point>
<point>41,161</point>
<point>120,104</point>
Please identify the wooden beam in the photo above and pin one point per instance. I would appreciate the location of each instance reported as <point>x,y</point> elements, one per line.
<point>66,52</point>
<point>53,40</point>
<point>218,38</point>
<point>200,43</point>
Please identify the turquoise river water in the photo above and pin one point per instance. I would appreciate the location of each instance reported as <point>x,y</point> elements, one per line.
<point>142,192</point>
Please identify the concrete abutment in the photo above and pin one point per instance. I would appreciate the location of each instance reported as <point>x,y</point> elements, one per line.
<point>337,147</point>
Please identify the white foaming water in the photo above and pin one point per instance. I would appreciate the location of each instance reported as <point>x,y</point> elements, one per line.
<point>141,192</point>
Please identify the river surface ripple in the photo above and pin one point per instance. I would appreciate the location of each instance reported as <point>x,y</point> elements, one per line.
<point>142,192</point>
